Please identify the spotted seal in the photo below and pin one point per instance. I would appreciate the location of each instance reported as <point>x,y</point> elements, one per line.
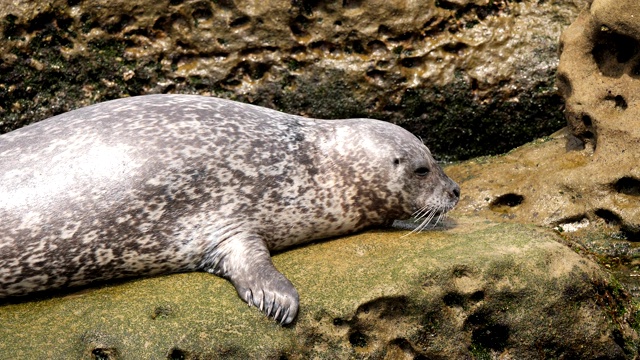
<point>170,183</point>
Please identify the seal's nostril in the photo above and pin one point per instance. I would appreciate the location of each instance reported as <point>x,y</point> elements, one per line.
<point>456,192</point>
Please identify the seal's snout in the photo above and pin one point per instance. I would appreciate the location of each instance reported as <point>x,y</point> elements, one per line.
<point>453,191</point>
<point>456,191</point>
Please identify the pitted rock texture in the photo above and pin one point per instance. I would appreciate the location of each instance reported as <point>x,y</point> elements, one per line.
<point>590,170</point>
<point>469,77</point>
<point>584,180</point>
<point>479,290</point>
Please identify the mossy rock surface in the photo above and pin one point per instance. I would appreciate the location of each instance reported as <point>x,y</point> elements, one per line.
<point>478,289</point>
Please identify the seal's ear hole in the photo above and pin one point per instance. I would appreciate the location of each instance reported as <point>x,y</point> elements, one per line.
<point>422,171</point>
<point>396,162</point>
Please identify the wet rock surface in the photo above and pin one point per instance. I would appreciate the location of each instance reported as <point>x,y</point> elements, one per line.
<point>469,77</point>
<point>478,290</point>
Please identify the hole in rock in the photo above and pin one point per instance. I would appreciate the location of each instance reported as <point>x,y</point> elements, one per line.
<point>323,46</point>
<point>411,62</point>
<point>377,45</point>
<point>407,348</point>
<point>176,354</point>
<point>453,299</point>
<point>376,74</point>
<point>564,85</point>
<point>635,72</point>
<point>407,35</point>
<point>351,4</point>
<point>162,23</point>
<point>240,21</point>
<point>42,21</point>
<point>10,27</point>
<point>447,5</point>
<point>384,307</point>
<point>358,339</point>
<point>507,200</point>
<point>103,354</point>
<point>384,30</point>
<point>631,233</point>
<point>619,101</point>
<point>299,25</point>
<point>608,216</point>
<point>355,46</point>
<point>477,296</point>
<point>162,311</point>
<point>307,6</point>
<point>225,4</point>
<point>628,185</point>
<point>612,51</point>
<point>586,120</point>
<point>202,13</point>
<point>460,271</point>
<point>491,336</point>
<point>232,83</point>
<point>454,48</point>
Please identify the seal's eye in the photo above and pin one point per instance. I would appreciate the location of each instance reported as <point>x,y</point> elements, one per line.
<point>422,171</point>
<point>396,162</point>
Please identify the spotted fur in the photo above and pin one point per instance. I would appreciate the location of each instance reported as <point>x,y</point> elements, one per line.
<point>167,183</point>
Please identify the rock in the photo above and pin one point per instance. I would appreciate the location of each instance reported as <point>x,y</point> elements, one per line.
<point>588,173</point>
<point>599,78</point>
<point>470,77</point>
<point>481,289</point>
<point>583,180</point>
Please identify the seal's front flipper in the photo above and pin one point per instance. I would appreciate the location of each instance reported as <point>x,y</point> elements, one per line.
<point>244,260</point>
<point>270,291</point>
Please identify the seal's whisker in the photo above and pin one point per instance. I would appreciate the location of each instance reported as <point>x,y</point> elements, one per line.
<point>427,214</point>
<point>422,212</point>
<point>440,217</point>
<point>428,220</point>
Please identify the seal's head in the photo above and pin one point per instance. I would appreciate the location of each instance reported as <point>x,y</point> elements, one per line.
<point>400,170</point>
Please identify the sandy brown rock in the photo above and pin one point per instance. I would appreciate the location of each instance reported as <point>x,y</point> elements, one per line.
<point>589,172</point>
<point>584,180</point>
<point>479,289</point>
<point>469,77</point>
